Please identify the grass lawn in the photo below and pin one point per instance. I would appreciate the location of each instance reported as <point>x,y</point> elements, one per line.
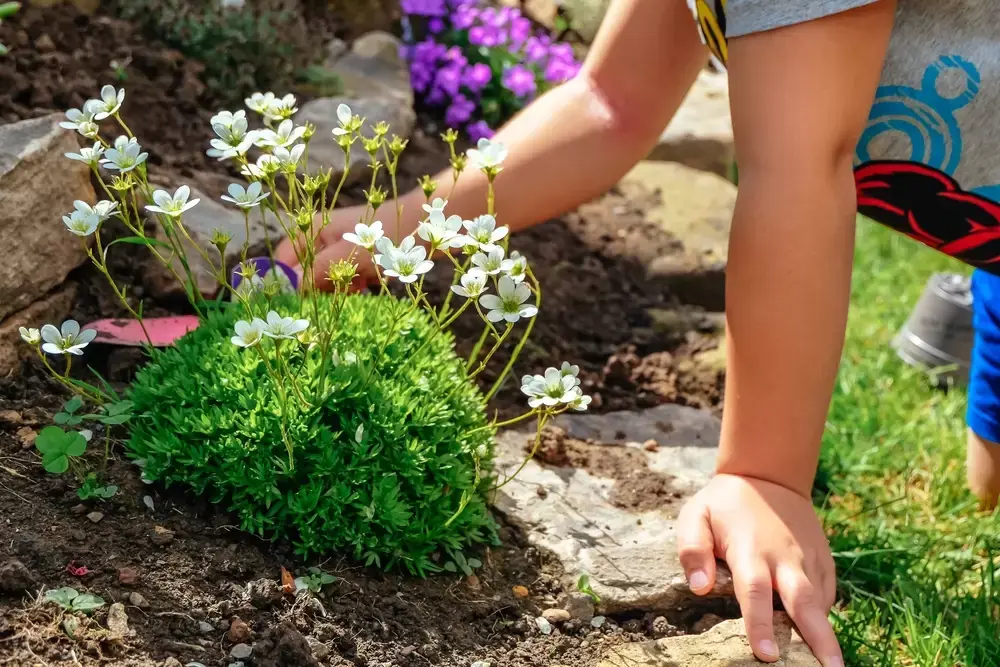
<point>919,565</point>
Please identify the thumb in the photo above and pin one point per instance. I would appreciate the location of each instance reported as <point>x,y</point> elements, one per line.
<point>696,547</point>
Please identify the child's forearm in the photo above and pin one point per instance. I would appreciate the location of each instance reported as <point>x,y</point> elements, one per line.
<point>788,287</point>
<point>577,141</point>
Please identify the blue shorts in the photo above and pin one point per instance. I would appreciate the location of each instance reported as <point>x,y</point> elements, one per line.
<point>983,415</point>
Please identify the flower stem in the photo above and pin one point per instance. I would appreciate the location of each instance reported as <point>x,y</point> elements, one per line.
<point>520,344</point>
<point>542,418</point>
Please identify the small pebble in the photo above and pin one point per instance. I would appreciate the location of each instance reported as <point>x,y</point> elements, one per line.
<point>706,623</point>
<point>408,651</point>
<point>172,662</point>
<point>556,615</point>
<point>481,663</point>
<point>137,600</point>
<point>148,502</point>
<point>473,582</point>
<point>241,651</point>
<point>128,576</point>
<point>239,631</point>
<point>223,625</point>
<point>79,509</point>
<point>520,591</point>
<point>543,625</point>
<point>95,517</point>
<point>651,445</point>
<point>205,627</point>
<point>542,491</point>
<point>598,622</point>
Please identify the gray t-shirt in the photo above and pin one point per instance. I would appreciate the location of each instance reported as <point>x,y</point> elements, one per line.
<point>928,162</point>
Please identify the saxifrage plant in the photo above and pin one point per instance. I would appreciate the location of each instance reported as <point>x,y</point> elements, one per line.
<point>339,422</point>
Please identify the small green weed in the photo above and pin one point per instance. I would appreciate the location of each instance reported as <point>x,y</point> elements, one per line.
<point>73,600</point>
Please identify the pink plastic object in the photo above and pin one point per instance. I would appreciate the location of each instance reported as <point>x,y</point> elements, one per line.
<point>163,331</point>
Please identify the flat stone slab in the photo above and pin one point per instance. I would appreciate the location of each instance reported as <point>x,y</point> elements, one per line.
<point>725,645</point>
<point>631,557</point>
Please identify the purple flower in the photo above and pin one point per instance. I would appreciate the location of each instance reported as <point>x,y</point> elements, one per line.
<point>420,76</point>
<point>460,111</point>
<point>424,7</point>
<point>477,77</point>
<point>465,17</point>
<point>562,52</point>
<point>485,35</point>
<point>448,79</point>
<point>520,80</point>
<point>435,25</point>
<point>536,49</point>
<point>558,71</point>
<point>520,31</point>
<point>479,130</point>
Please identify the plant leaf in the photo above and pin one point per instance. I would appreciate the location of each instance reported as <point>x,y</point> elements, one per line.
<point>73,404</point>
<point>62,596</point>
<point>86,602</point>
<point>55,463</point>
<point>76,444</point>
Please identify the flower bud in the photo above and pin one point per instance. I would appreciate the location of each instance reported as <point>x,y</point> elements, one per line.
<point>304,218</point>
<point>458,163</point>
<point>312,184</point>
<point>428,185</point>
<point>450,137</point>
<point>341,274</point>
<point>310,131</point>
<point>371,145</point>
<point>221,239</point>
<point>344,141</point>
<point>123,183</point>
<point>381,129</point>
<point>397,145</point>
<point>482,451</point>
<point>247,270</point>
<point>375,196</point>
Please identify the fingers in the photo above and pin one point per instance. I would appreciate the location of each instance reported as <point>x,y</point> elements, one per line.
<point>755,593</point>
<point>805,603</point>
<point>696,548</point>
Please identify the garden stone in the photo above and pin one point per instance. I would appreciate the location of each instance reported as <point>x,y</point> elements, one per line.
<point>695,207</point>
<point>725,645</point>
<point>630,557</point>
<point>118,620</point>
<point>241,651</point>
<point>38,185</point>
<point>15,578</point>
<point>372,69</point>
<point>700,135</point>
<point>201,222</point>
<point>324,152</point>
<point>555,616</point>
<point>52,308</point>
<point>579,605</point>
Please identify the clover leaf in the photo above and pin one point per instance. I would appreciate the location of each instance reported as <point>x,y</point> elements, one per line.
<point>71,599</point>
<point>58,447</point>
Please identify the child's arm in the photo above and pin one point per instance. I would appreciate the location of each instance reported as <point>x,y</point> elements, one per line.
<point>576,141</point>
<point>800,98</point>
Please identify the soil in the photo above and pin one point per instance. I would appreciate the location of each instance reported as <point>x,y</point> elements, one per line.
<point>182,566</point>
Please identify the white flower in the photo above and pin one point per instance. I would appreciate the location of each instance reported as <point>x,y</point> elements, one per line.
<point>405,262</point>
<point>30,336</point>
<point>441,232</point>
<point>281,109</point>
<point>289,159</point>
<point>82,223</point>
<point>510,304</point>
<point>260,102</point>
<point>365,236</point>
<point>569,370</point>
<point>519,267</point>
<point>286,135</point>
<point>102,209</point>
<point>437,205</point>
<point>109,104</point>
<point>344,116</point>
<point>174,205</point>
<point>487,155</point>
<point>283,327</point>
<point>70,340</point>
<point>550,389</point>
<point>484,232</point>
<point>82,120</point>
<point>233,135</point>
<point>580,403</point>
<point>248,198</point>
<point>125,156</point>
<point>473,284</point>
<point>492,262</point>
<point>87,154</point>
<point>267,165</point>
<point>248,334</point>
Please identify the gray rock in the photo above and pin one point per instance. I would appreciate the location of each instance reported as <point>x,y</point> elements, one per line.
<point>324,152</point>
<point>138,600</point>
<point>37,187</point>
<point>319,649</point>
<point>725,645</point>
<point>173,662</point>
<point>118,620</point>
<point>700,135</point>
<point>95,517</point>
<point>579,606</point>
<point>15,578</point>
<point>556,615</point>
<point>695,207</point>
<point>205,627</point>
<point>631,558</point>
<point>201,222</point>
<point>241,651</point>
<point>372,69</point>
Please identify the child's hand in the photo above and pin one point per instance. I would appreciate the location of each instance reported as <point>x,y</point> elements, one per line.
<point>772,540</point>
<point>331,247</point>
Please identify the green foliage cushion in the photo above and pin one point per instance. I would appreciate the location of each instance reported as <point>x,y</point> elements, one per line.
<point>380,466</point>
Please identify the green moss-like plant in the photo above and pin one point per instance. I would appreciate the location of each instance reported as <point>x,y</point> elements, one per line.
<point>380,467</point>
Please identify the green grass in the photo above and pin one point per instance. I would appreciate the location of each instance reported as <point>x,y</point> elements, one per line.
<point>918,563</point>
